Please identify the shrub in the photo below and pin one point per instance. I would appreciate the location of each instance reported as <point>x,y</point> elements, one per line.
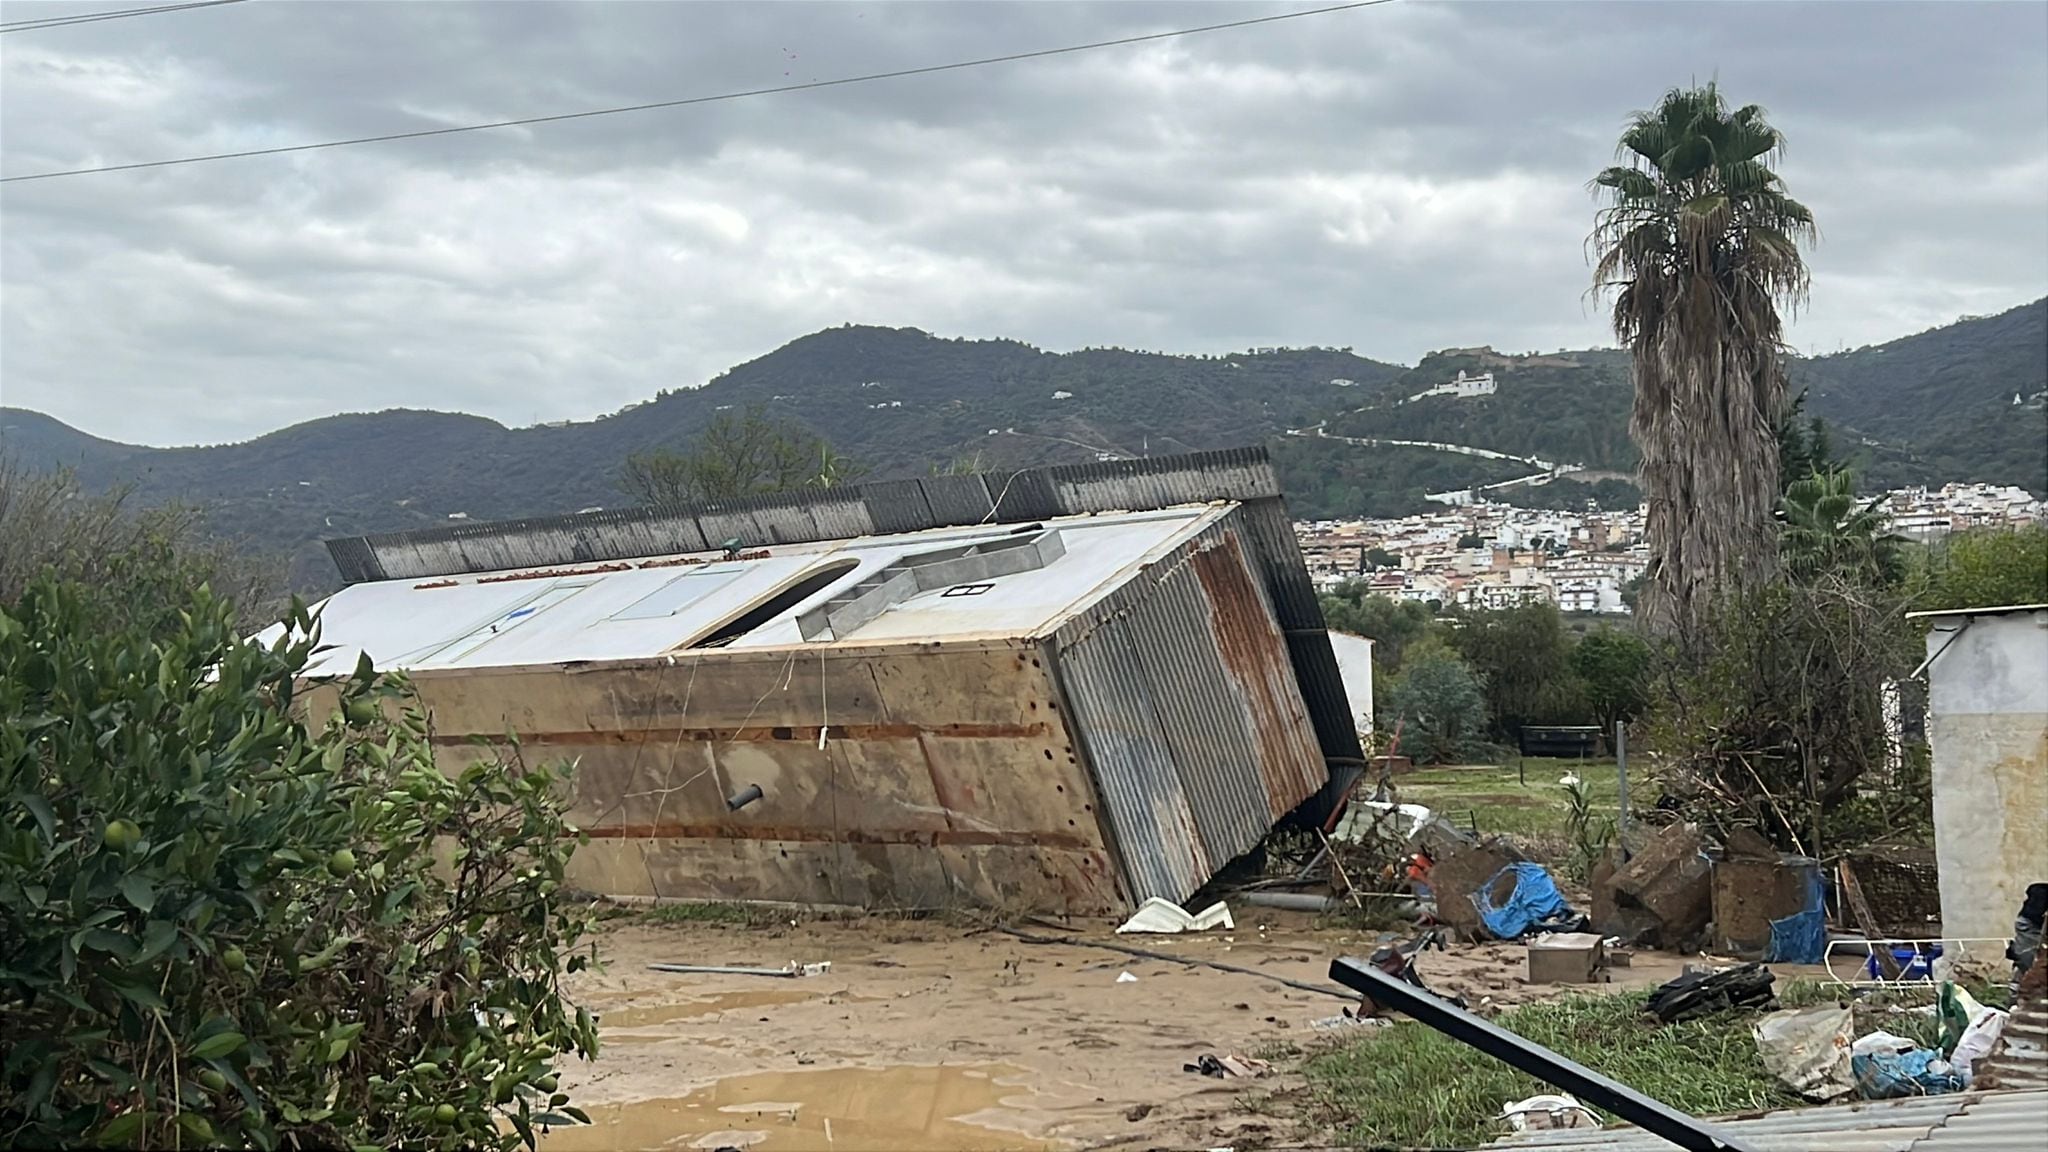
<point>223,925</point>
<point>1441,704</point>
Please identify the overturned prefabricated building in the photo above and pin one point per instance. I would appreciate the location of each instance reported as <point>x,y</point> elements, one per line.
<point>1061,690</point>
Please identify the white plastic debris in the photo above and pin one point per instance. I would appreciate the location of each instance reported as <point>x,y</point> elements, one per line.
<point>1126,978</point>
<point>1548,1111</point>
<point>1881,1043</point>
<point>1808,1050</point>
<point>1339,1023</point>
<point>1985,1028</point>
<point>1363,814</point>
<point>1164,916</point>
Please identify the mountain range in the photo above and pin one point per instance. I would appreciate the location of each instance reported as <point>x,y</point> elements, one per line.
<point>1961,402</point>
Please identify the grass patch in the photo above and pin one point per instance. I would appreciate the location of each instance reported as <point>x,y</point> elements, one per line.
<point>711,913</point>
<point>1409,1086</point>
<point>1495,797</point>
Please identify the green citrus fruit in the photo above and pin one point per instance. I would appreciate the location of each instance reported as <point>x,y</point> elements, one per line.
<point>212,1081</point>
<point>234,958</point>
<point>342,862</point>
<point>445,1113</point>
<point>121,835</point>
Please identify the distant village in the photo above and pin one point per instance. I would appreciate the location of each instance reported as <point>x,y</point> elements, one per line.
<point>1489,555</point>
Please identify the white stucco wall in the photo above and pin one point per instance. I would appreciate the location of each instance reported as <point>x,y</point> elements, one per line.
<point>1354,666</point>
<point>1987,721</point>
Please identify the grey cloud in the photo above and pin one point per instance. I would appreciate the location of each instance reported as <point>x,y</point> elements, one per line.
<point>1396,178</point>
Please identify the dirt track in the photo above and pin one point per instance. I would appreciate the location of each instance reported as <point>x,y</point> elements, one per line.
<point>930,1036</point>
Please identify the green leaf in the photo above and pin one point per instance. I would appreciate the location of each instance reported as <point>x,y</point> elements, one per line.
<point>336,1050</point>
<point>216,1046</point>
<point>113,943</point>
<point>142,996</point>
<point>197,1125</point>
<point>139,891</point>
<point>40,809</point>
<point>157,938</point>
<point>122,1129</point>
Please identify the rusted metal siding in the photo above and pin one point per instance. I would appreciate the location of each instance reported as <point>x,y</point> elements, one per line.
<point>1185,703</point>
<point>1246,476</point>
<point>1145,808</point>
<point>947,776</point>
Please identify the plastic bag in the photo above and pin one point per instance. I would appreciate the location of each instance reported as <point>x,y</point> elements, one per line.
<point>1808,1050</point>
<point>1921,1072</point>
<point>1977,1041</point>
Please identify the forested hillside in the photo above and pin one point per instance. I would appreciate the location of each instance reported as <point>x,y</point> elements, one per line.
<point>1968,401</point>
<point>1924,409</point>
<point>1570,408</point>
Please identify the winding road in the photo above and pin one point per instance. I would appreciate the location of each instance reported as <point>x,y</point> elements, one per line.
<point>1551,470</point>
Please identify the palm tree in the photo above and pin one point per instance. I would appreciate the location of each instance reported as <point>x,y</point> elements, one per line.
<point>1702,244</point>
<point>1826,530</point>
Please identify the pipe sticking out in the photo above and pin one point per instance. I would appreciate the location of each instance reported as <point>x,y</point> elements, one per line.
<point>743,797</point>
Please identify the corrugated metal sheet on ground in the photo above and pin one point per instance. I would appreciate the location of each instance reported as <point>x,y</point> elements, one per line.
<point>1961,1122</point>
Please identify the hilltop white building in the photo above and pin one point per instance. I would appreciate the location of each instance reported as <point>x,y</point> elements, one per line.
<point>1464,387</point>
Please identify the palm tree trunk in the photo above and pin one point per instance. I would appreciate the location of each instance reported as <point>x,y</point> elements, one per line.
<point>1705,418</point>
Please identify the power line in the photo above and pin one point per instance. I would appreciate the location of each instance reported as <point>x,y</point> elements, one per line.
<point>805,87</point>
<point>96,17</point>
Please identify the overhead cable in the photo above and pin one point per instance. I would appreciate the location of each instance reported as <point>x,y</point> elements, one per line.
<point>97,17</point>
<point>692,100</point>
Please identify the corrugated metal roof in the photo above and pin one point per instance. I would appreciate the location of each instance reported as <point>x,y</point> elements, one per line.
<point>1182,694</point>
<point>1960,1122</point>
<point>634,610</point>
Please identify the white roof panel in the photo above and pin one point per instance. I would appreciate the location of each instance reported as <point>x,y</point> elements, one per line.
<point>641,608</point>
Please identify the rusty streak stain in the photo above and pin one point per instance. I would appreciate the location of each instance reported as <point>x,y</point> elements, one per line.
<point>1256,657</point>
<point>772,733</point>
<point>926,837</point>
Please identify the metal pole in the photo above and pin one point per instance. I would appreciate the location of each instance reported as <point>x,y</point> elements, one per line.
<point>1621,770</point>
<point>1650,1115</point>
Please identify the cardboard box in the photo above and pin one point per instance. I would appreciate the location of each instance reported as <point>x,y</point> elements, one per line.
<point>1567,958</point>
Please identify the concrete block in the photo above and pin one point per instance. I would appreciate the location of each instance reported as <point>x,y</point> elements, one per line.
<point>1672,881</point>
<point>1456,877</point>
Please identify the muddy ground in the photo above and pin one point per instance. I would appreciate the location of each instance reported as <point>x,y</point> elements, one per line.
<point>926,1035</point>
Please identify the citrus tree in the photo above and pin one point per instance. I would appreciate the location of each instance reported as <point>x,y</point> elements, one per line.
<point>223,924</point>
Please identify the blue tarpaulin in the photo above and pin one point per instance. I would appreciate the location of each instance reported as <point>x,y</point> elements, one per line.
<point>1888,1075</point>
<point>1801,938</point>
<point>1534,901</point>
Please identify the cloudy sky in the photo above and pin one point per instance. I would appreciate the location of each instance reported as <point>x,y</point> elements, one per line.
<point>1398,178</point>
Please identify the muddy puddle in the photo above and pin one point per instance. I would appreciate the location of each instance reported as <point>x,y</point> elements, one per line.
<point>970,1108</point>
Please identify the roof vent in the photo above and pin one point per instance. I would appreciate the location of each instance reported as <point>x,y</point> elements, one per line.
<point>980,562</point>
